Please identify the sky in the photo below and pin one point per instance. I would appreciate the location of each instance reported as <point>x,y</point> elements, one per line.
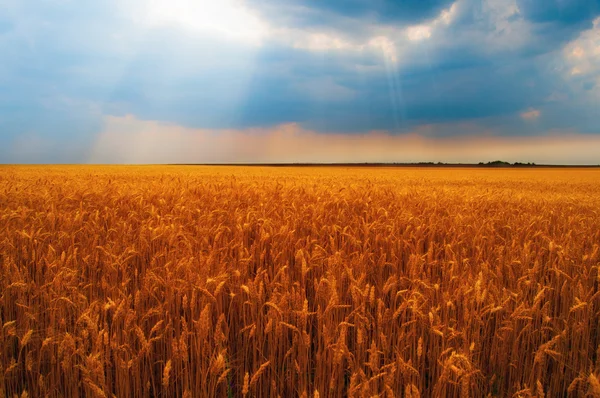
<point>205,81</point>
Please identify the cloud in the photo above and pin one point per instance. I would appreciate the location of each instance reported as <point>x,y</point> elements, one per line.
<point>365,35</point>
<point>324,89</point>
<point>129,140</point>
<point>531,114</point>
<point>230,19</point>
<point>318,12</point>
<point>582,57</point>
<point>331,68</point>
<point>561,11</point>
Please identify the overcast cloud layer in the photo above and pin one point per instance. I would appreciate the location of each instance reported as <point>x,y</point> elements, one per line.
<point>291,81</point>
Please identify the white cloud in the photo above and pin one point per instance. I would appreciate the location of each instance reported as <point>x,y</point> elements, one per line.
<point>424,31</point>
<point>497,26</point>
<point>231,19</point>
<point>386,46</point>
<point>314,41</point>
<point>576,71</point>
<point>447,16</point>
<point>418,32</point>
<point>389,40</point>
<point>331,41</point>
<point>582,56</point>
<point>531,114</point>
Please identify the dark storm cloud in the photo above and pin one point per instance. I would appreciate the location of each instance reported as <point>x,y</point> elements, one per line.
<point>321,12</point>
<point>560,11</point>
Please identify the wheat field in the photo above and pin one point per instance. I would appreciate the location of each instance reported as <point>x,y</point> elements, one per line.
<point>197,281</point>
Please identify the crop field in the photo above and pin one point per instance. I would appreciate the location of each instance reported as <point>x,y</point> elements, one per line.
<point>198,281</point>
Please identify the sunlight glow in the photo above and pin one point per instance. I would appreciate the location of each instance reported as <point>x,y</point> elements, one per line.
<point>127,139</point>
<point>582,55</point>
<point>229,18</point>
<point>419,32</point>
<point>531,114</point>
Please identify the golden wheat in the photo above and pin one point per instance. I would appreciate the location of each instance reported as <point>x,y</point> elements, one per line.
<point>256,281</point>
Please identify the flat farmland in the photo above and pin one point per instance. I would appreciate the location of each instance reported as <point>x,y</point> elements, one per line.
<point>201,281</point>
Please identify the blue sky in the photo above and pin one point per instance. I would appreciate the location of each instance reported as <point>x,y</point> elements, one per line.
<point>153,81</point>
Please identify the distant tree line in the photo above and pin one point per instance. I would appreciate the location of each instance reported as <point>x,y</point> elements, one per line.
<point>500,163</point>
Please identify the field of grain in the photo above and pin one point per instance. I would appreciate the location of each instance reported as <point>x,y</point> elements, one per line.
<point>194,281</point>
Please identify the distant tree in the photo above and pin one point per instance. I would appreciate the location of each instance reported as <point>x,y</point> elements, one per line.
<point>498,163</point>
